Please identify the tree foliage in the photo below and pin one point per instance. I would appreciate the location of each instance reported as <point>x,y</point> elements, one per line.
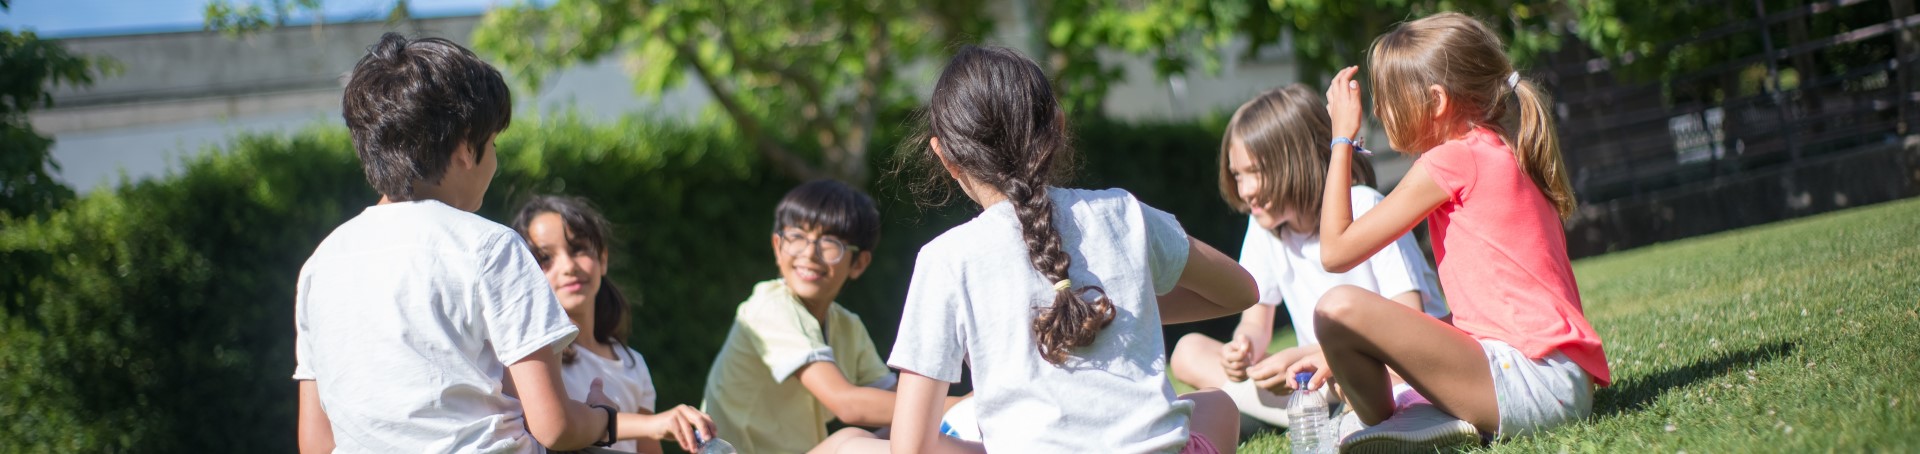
<point>803,81</point>
<point>30,68</point>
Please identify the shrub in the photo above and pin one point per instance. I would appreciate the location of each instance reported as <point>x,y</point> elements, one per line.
<point>158,316</point>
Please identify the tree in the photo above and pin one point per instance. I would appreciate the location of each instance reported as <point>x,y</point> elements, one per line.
<point>1183,36</point>
<point>29,68</point>
<point>804,82</point>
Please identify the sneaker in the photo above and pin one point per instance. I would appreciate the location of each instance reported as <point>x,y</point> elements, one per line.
<point>1405,396</point>
<point>1349,423</point>
<point>1418,428</point>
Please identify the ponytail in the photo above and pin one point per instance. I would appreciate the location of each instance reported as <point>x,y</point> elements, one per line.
<point>1537,147</point>
<point>996,118</point>
<point>1071,322</point>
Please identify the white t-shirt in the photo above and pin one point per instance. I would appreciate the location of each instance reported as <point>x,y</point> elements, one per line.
<point>406,317</point>
<point>626,381</point>
<point>973,296</point>
<point>1287,268</point>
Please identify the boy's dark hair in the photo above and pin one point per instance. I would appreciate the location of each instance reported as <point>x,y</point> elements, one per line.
<point>411,103</point>
<point>998,121</point>
<point>835,208</point>
<point>587,230</point>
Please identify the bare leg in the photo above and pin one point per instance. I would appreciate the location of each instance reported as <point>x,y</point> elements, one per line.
<point>1362,334</point>
<point>840,438</point>
<point>1196,361</point>
<point>1215,416</point>
<point>870,445</point>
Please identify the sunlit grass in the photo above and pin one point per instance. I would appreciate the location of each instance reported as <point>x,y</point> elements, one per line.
<point>1798,336</point>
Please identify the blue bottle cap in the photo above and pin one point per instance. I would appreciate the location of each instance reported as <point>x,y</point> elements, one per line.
<point>1302,378</point>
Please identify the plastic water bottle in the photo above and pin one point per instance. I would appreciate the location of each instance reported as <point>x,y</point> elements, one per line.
<point>713,445</point>
<point>1307,413</point>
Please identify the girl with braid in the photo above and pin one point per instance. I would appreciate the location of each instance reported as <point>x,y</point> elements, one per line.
<point>1055,297</point>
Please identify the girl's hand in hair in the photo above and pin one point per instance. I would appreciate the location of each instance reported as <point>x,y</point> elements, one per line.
<point>1343,102</point>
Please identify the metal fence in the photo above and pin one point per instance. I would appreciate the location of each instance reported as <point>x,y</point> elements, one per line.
<point>1777,90</point>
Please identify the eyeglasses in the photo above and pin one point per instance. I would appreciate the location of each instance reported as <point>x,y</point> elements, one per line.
<point>831,249</point>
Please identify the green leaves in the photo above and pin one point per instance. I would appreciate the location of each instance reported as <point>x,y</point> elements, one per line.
<point>29,69</point>
<point>249,16</point>
<point>802,81</point>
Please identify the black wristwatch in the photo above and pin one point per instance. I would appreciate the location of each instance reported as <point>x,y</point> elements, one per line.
<point>612,420</point>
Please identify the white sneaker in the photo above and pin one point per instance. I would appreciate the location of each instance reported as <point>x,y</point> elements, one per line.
<point>1417,428</point>
<point>1349,423</point>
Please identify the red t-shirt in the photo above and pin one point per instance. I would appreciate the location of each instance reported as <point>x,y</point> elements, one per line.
<point>1503,256</point>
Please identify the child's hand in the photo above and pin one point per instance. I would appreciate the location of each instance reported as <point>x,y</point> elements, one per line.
<point>1271,376</point>
<point>1316,363</point>
<point>1235,357</point>
<point>597,397</point>
<point>1343,103</point>
<point>679,423</point>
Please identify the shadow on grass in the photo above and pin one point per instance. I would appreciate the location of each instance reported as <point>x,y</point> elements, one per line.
<point>1635,393</point>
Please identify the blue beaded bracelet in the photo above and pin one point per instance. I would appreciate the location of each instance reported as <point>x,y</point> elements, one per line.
<point>1356,145</point>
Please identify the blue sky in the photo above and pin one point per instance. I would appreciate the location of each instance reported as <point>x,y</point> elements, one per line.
<point>60,18</point>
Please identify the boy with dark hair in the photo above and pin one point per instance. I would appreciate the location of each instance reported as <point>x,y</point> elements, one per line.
<point>411,316</point>
<point>794,359</point>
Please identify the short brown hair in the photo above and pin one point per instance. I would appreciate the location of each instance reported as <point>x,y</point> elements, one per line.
<point>1288,134</point>
<point>411,103</point>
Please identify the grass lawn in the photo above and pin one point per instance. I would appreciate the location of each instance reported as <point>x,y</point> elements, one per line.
<point>1797,336</point>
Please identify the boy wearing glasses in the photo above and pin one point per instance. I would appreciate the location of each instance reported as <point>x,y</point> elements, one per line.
<point>795,360</point>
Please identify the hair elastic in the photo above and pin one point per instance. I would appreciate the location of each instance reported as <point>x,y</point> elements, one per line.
<point>1513,79</point>
<point>1063,285</point>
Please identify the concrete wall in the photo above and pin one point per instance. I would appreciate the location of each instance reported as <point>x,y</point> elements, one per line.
<point>180,93</point>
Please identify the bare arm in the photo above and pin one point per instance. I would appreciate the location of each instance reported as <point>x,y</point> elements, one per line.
<point>917,419</point>
<point>316,431</point>
<point>557,422</point>
<point>1344,241</point>
<point>852,404</point>
<point>1211,286</point>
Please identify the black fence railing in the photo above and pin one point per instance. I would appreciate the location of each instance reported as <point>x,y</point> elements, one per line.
<point>1796,110</point>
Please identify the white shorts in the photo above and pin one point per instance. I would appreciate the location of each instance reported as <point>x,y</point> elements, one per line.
<point>1536,394</point>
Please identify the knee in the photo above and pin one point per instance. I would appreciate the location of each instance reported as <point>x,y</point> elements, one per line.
<point>1214,402</point>
<point>1188,350</point>
<point>1338,307</point>
<point>1189,343</point>
<point>852,432</point>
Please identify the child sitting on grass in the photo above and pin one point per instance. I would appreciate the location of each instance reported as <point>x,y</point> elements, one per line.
<point>1054,296</point>
<point>412,318</point>
<point>1273,164</point>
<point>1520,356</point>
<point>570,242</point>
<point>794,359</point>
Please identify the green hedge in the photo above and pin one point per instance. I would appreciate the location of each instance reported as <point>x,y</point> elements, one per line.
<point>157,316</point>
